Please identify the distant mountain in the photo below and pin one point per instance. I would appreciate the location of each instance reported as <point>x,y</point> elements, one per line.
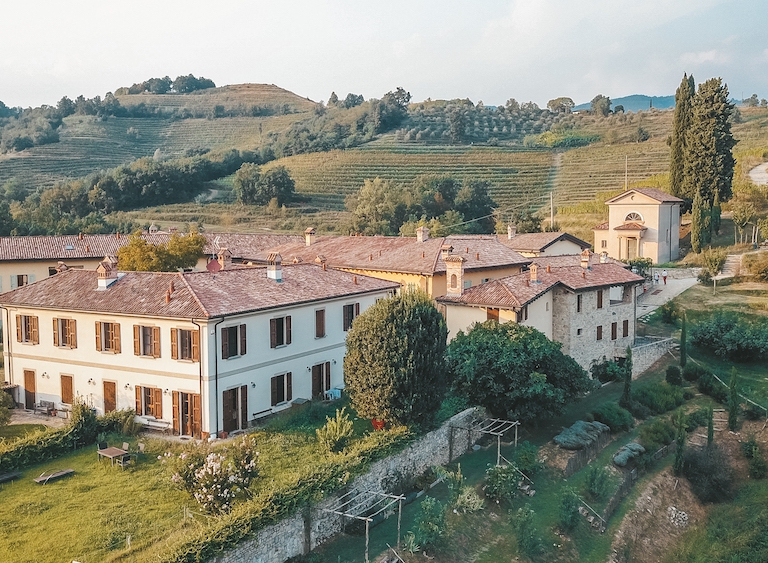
<point>637,102</point>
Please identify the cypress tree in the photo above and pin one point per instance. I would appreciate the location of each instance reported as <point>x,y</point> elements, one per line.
<point>683,343</point>
<point>733,400</point>
<point>697,220</point>
<point>626,397</point>
<point>710,427</point>
<point>680,124</point>
<point>706,223</point>
<point>715,223</point>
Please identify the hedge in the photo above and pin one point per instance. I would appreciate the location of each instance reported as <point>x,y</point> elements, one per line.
<point>580,435</point>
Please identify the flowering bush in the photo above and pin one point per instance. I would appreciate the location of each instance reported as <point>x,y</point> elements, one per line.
<point>215,479</point>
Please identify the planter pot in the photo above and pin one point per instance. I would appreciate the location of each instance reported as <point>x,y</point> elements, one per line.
<point>223,434</point>
<point>378,424</point>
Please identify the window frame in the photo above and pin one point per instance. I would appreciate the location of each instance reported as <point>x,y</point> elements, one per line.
<point>599,332</point>
<point>27,329</point>
<point>614,330</point>
<point>234,344</point>
<point>625,328</point>
<point>350,312</point>
<point>579,302</point>
<point>142,344</point>
<point>284,333</point>
<point>599,299</point>
<point>281,387</point>
<point>185,344</point>
<point>65,333</point>
<point>320,327</point>
<point>108,337</point>
<point>152,407</point>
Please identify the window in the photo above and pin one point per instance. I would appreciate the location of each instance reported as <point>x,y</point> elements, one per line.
<point>27,329</point>
<point>65,333</point>
<point>599,298</point>
<point>185,344</point>
<point>282,388</point>
<point>522,314</point>
<point>146,341</point>
<point>578,332</point>
<point>491,314</point>
<point>67,393</point>
<point>546,306</point>
<point>603,244</point>
<point>280,331</point>
<point>321,378</point>
<point>467,284</point>
<point>320,323</point>
<point>454,281</point>
<point>599,332</point>
<point>350,313</point>
<point>149,401</point>
<point>614,330</point>
<point>633,218</point>
<point>20,280</point>
<point>578,303</point>
<point>108,337</point>
<point>233,341</point>
<point>625,329</point>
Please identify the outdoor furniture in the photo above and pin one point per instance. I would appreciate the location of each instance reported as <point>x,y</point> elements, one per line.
<point>123,461</point>
<point>102,446</point>
<point>6,477</point>
<point>112,453</point>
<point>126,446</point>
<point>152,423</point>
<point>44,406</point>
<point>46,477</point>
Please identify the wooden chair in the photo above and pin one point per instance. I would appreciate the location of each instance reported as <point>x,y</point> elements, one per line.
<point>123,461</point>
<point>141,448</point>
<point>101,446</point>
<point>126,446</point>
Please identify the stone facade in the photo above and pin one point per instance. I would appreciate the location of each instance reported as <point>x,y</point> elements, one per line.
<point>300,533</point>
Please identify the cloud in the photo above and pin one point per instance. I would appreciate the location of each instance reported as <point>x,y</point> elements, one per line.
<point>701,57</point>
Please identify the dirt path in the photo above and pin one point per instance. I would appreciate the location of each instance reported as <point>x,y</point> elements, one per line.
<point>759,174</point>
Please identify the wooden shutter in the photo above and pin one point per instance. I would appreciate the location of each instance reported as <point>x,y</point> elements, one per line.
<point>157,402</point>
<point>274,381</point>
<point>174,344</point>
<point>288,386</point>
<point>197,419</point>
<point>116,347</point>
<point>600,332</point>
<point>196,346</point>
<point>317,380</point>
<point>273,333</point>
<point>18,328</point>
<point>614,331</point>
<point>327,375</point>
<point>176,421</point>
<point>599,298</point>
<point>225,343</point>
<point>288,329</point>
<point>55,332</point>
<point>156,341</point>
<point>98,337</point>
<point>625,329</point>
<point>72,333</point>
<point>66,389</point>
<point>34,330</point>
<point>357,309</point>
<point>136,340</point>
<point>320,323</point>
<point>139,410</point>
<point>242,340</point>
<point>243,407</point>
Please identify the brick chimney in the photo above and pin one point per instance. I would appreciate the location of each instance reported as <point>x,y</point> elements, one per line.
<point>225,258</point>
<point>454,275</point>
<point>534,273</point>
<point>107,274</point>
<point>309,236</point>
<point>275,267</point>
<point>603,257</point>
<point>511,231</point>
<point>445,250</point>
<point>585,255</point>
<point>422,234</point>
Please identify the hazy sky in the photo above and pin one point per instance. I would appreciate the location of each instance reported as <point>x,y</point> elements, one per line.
<point>487,50</point>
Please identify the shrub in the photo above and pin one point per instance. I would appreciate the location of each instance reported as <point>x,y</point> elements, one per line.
<point>752,412</point>
<point>669,312</point>
<point>659,397</point>
<point>337,431</point>
<point>527,458</point>
<point>451,406</point>
<point>655,434</point>
<point>501,483</point>
<point>615,417</point>
<point>673,376</point>
<point>528,541</point>
<point>410,544</point>
<point>6,404</point>
<point>692,372</point>
<point>453,479</point>
<point>712,387</point>
<point>430,522</point>
<point>757,265</point>
<point>468,500</point>
<point>639,410</point>
<point>597,482</point>
<point>569,509</point>
<point>580,435</point>
<point>605,370</point>
<point>757,467</point>
<point>699,417</point>
<point>709,473</point>
<point>750,449</point>
<point>730,336</point>
<point>628,453</point>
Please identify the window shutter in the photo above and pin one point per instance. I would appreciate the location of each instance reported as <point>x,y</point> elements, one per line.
<point>72,333</point>
<point>288,329</point>
<point>614,331</point>
<point>66,389</point>
<point>224,343</point>
<point>196,346</point>
<point>243,407</point>
<point>139,410</point>
<point>174,344</point>
<point>242,340</point>
<point>320,323</point>
<point>14,282</point>
<point>274,382</point>
<point>136,340</point>
<point>116,348</point>
<point>98,337</point>
<point>176,421</point>
<point>197,419</point>
<point>157,402</point>
<point>357,309</point>
<point>625,329</point>
<point>31,278</point>
<point>156,341</point>
<point>18,328</point>
<point>273,333</point>
<point>599,298</point>
<point>327,375</point>
<point>35,331</point>
<point>288,386</point>
<point>55,332</point>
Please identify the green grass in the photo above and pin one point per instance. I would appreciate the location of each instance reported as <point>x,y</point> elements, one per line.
<point>13,431</point>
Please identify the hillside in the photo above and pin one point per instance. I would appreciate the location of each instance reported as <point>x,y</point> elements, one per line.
<point>637,102</point>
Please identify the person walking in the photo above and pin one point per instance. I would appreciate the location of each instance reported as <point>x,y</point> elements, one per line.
<point>664,276</point>
<point>656,278</point>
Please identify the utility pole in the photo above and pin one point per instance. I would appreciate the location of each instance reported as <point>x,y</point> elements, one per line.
<point>626,172</point>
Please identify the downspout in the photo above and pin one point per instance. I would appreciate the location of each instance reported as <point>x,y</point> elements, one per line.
<point>200,369</point>
<point>7,344</point>
<point>216,370</point>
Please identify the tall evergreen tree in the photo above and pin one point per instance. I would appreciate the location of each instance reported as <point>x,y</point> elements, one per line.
<point>697,222</point>
<point>716,210</point>
<point>733,400</point>
<point>683,341</point>
<point>680,124</point>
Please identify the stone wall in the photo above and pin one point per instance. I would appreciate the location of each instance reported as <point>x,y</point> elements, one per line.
<point>677,273</point>
<point>646,353</point>
<point>300,533</point>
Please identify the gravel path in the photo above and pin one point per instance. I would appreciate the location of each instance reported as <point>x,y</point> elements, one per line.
<point>759,174</point>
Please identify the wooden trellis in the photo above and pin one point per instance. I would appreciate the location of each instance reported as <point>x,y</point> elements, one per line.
<point>495,427</point>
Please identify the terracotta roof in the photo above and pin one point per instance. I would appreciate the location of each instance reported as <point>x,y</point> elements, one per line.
<point>536,242</point>
<point>630,227</point>
<point>572,260</point>
<point>196,294</point>
<point>597,275</point>
<point>71,247</point>
<point>601,227</point>
<point>401,254</point>
<point>653,193</point>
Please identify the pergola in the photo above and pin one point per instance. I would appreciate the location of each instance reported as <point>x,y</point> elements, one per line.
<point>495,427</point>
<point>365,506</point>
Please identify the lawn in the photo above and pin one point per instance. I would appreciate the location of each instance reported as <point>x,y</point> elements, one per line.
<point>13,431</point>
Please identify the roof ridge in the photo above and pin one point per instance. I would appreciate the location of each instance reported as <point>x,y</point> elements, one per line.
<point>438,254</point>
<point>193,293</point>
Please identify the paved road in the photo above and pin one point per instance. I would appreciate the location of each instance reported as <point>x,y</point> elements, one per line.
<point>656,295</point>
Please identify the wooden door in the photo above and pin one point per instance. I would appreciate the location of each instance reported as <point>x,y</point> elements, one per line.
<point>176,413</point>
<point>230,410</point>
<point>110,396</point>
<point>29,389</point>
<point>197,416</point>
<point>317,380</point>
<point>243,405</point>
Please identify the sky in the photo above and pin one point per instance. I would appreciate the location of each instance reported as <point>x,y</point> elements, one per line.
<point>489,50</point>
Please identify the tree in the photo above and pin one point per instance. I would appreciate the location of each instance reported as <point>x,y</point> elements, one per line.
<point>181,251</point>
<point>697,222</point>
<point>680,124</point>
<point>246,183</point>
<point>751,102</point>
<point>394,366</point>
<point>379,208</point>
<point>626,396</point>
<point>514,371</point>
<point>333,100</point>
<point>275,183</point>
<point>715,215</point>
<point>683,340</point>
<point>352,100</point>
<point>474,202</point>
<point>600,105</point>
<point>457,123</point>
<point>678,421</point>
<point>6,404</point>
<point>733,400</point>
<point>743,214</point>
<point>560,105</point>
<point>526,221</point>
<point>710,427</point>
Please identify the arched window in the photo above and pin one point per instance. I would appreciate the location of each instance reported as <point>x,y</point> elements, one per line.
<point>633,218</point>
<point>453,281</point>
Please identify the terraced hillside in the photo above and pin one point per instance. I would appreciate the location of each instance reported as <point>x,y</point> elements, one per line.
<point>516,175</point>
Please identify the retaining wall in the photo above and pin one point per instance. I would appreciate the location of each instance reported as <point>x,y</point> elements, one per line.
<point>298,534</point>
<point>645,355</point>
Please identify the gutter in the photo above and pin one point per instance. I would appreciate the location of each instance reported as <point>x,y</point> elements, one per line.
<point>7,344</point>
<point>216,370</point>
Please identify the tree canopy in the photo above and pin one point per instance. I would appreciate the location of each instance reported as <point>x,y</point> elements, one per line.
<point>514,371</point>
<point>394,367</point>
<point>600,105</point>
<point>252,187</point>
<point>181,251</point>
<point>560,105</point>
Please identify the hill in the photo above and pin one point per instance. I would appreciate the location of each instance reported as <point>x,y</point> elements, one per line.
<point>637,102</point>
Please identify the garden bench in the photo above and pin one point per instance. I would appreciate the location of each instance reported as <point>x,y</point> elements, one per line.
<point>53,476</point>
<point>6,477</point>
<point>155,424</point>
<point>44,406</point>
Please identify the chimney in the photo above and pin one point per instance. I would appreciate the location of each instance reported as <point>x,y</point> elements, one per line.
<point>422,234</point>
<point>309,236</point>
<point>354,280</point>
<point>61,267</point>
<point>603,257</point>
<point>171,288</point>
<point>118,235</point>
<point>225,258</point>
<point>549,269</point>
<point>454,275</point>
<point>87,247</point>
<point>585,258</point>
<point>511,231</point>
<point>534,273</point>
<point>80,236</point>
<point>275,267</point>
<point>445,250</point>
<point>107,274</point>
<point>168,296</point>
